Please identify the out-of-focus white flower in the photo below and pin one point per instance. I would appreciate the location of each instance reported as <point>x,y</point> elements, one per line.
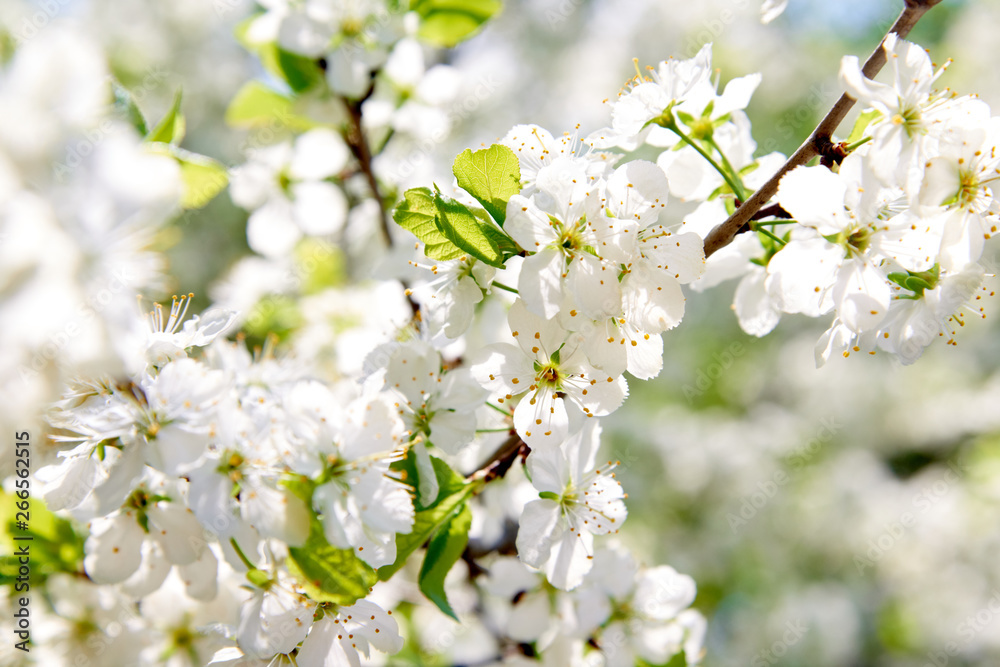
<point>287,188</point>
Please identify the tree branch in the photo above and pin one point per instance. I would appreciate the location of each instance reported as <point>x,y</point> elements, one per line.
<point>819,141</point>
<point>359,146</point>
<point>502,459</point>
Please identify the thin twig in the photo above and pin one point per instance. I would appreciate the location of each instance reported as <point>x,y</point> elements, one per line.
<point>819,140</point>
<point>359,146</point>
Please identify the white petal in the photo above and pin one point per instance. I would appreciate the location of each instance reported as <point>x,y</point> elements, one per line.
<point>320,207</point>
<point>868,92</point>
<point>113,549</point>
<point>548,469</point>
<point>201,580</point>
<point>662,593</point>
<point>754,308</point>
<point>318,154</point>
<point>178,532</point>
<point>502,369</point>
<point>862,294</point>
<point>540,418</point>
<point>801,274</point>
<point>679,255</point>
<point>271,230</point>
<point>815,196</point>
<point>538,522</point>
<point>540,282</point>
<point>644,352</point>
<point>653,300</point>
<point>736,95</point>
<point>151,573</point>
<point>569,559</point>
<point>594,285</point>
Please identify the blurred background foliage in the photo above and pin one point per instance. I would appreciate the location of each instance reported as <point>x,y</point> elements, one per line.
<point>855,504</point>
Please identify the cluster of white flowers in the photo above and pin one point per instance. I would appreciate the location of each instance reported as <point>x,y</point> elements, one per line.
<point>82,197</point>
<point>278,489</point>
<point>891,240</point>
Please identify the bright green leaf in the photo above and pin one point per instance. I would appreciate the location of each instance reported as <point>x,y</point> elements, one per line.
<point>170,130</point>
<point>449,481</point>
<point>417,214</point>
<point>299,72</point>
<point>506,244</point>
<point>454,492</point>
<point>444,550</point>
<point>448,22</point>
<point>255,104</point>
<point>202,177</point>
<point>329,574</point>
<point>861,124</point>
<point>463,228</point>
<point>55,546</point>
<point>491,175</point>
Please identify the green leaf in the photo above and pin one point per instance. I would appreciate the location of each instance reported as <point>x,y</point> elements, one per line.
<point>55,546</point>
<point>449,481</point>
<point>448,22</point>
<point>461,227</point>
<point>256,104</point>
<point>861,124</point>
<point>417,214</point>
<point>202,177</point>
<point>505,243</point>
<point>299,72</point>
<point>444,550</point>
<point>455,490</point>
<point>329,574</point>
<point>128,109</point>
<point>491,175</point>
<point>170,130</point>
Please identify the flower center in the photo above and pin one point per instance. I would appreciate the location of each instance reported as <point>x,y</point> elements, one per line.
<point>548,376</point>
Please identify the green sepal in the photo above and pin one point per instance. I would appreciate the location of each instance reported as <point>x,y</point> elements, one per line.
<point>259,578</point>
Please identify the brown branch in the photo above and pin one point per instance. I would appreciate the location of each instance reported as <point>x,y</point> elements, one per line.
<point>819,140</point>
<point>359,146</point>
<point>502,459</point>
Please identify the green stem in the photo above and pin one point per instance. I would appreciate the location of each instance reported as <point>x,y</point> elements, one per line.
<point>499,409</point>
<point>741,193</point>
<point>504,287</point>
<point>493,430</point>
<point>775,222</point>
<point>735,185</point>
<point>243,556</point>
<point>850,148</point>
<point>770,235</point>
